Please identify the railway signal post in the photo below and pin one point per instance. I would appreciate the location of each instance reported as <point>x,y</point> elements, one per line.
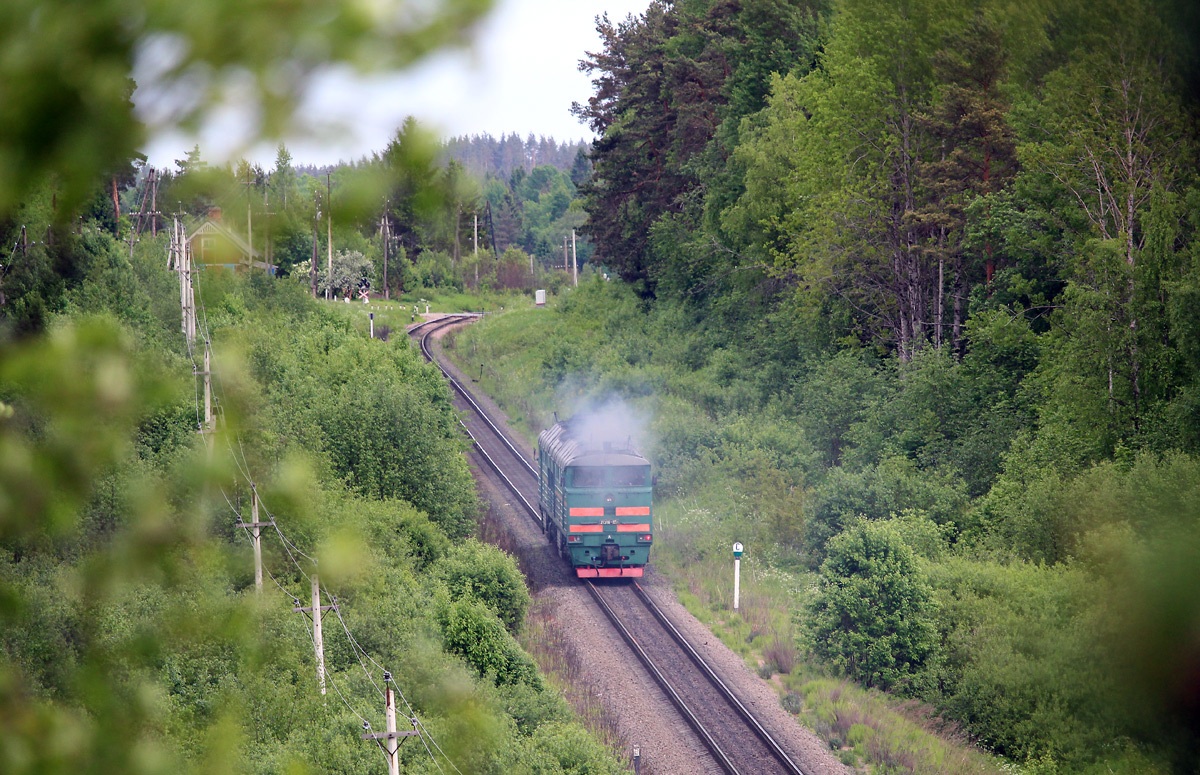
<point>737,572</point>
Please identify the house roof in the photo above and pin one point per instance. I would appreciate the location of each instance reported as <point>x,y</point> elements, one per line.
<point>212,228</point>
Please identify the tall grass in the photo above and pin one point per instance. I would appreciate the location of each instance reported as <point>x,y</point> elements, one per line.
<point>867,728</point>
<point>545,638</point>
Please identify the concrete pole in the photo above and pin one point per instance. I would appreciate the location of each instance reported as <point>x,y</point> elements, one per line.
<point>153,203</point>
<point>318,640</point>
<point>574,259</point>
<point>249,228</point>
<point>387,237</point>
<point>255,532</point>
<point>392,741</point>
<point>329,240</point>
<point>208,412</point>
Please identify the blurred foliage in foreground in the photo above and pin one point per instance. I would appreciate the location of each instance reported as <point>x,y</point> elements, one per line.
<point>132,639</point>
<point>66,71</point>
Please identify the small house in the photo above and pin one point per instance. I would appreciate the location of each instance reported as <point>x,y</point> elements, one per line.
<point>212,245</point>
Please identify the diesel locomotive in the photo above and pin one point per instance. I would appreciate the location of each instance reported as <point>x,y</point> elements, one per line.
<point>595,501</point>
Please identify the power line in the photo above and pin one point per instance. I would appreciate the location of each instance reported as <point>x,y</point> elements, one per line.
<point>291,550</point>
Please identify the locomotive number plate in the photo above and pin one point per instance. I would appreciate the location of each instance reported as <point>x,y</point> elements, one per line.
<point>608,522</point>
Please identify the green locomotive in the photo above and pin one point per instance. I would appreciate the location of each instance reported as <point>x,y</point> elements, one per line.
<point>594,497</point>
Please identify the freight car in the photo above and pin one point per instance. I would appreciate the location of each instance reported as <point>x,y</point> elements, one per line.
<point>594,497</point>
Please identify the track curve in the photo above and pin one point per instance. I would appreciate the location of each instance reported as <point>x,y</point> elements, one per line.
<point>727,729</point>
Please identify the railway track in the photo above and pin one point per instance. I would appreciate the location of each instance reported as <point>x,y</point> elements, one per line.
<point>735,739</point>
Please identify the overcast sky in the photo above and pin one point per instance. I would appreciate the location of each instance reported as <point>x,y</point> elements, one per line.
<point>521,76</point>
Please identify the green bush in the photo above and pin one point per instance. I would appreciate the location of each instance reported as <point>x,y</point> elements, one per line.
<point>472,631</point>
<point>482,572</point>
<point>873,615</point>
<point>574,750</point>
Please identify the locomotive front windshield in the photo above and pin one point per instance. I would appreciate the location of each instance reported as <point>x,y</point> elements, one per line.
<point>611,476</point>
<point>629,476</point>
<point>588,476</point>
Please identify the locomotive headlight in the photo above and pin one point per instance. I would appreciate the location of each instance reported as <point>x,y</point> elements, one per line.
<point>608,497</point>
<point>574,539</point>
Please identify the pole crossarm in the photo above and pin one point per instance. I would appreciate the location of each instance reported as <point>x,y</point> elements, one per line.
<point>390,735</point>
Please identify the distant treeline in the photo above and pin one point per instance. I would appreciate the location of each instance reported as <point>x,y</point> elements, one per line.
<point>484,155</point>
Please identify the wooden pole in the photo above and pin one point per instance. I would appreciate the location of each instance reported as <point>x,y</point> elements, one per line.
<point>255,528</point>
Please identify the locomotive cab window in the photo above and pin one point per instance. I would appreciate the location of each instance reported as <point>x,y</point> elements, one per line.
<point>629,476</point>
<point>588,476</point>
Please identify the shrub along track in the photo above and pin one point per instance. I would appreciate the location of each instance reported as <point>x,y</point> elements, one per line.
<point>682,714</point>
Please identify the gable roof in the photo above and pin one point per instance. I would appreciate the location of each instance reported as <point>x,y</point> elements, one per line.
<point>212,228</point>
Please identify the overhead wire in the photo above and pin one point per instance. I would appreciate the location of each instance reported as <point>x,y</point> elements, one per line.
<point>359,651</point>
<point>291,550</point>
<point>328,675</point>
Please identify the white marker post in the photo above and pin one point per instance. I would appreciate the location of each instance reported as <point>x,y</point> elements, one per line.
<point>737,572</point>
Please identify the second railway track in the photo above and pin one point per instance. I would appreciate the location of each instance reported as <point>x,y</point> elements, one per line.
<point>726,727</point>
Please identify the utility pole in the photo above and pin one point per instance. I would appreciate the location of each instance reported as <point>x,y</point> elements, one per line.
<point>153,203</point>
<point>116,209</point>
<point>268,247</point>
<point>318,639</point>
<point>317,610</point>
<point>476,238</point>
<point>180,258</point>
<point>209,423</point>
<point>249,231</point>
<point>254,526</point>
<point>387,237</point>
<point>574,260</point>
<point>329,222</point>
<point>312,265</point>
<point>391,744</point>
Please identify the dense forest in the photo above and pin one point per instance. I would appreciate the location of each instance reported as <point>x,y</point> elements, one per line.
<point>486,156</point>
<point>911,293</point>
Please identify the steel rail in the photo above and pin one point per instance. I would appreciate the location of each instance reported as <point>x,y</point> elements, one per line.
<point>716,681</point>
<point>466,395</point>
<point>705,736</point>
<point>697,726</point>
<point>425,350</point>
